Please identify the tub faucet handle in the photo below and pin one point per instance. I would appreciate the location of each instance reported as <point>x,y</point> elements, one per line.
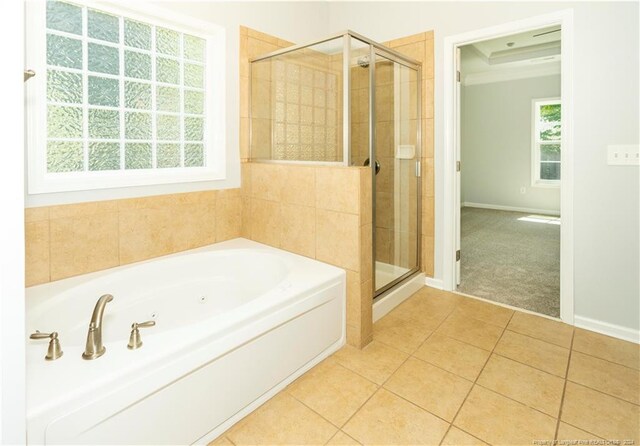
<point>54,351</point>
<point>135,341</point>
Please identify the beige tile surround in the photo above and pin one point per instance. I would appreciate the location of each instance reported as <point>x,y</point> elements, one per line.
<point>68,240</point>
<point>318,212</point>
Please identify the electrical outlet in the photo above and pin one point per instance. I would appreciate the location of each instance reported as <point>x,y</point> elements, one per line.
<point>523,190</point>
<point>623,155</point>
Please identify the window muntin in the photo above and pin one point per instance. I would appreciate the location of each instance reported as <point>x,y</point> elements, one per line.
<point>125,98</point>
<point>547,142</point>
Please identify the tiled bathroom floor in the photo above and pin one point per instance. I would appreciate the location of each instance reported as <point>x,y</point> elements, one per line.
<point>446,369</point>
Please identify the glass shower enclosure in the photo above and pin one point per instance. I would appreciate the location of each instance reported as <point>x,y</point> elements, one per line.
<point>347,100</point>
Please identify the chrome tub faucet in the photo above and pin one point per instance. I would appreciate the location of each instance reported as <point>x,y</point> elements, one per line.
<point>94,348</point>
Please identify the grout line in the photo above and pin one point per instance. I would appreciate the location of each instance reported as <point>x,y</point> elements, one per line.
<point>441,368</point>
<point>411,356</point>
<point>532,366</point>
<point>515,400</point>
<point>606,360</point>
<point>359,409</point>
<point>478,376</point>
<point>381,386</point>
<point>310,408</point>
<point>564,388</point>
<point>602,393</point>
<point>538,339</point>
<point>590,433</point>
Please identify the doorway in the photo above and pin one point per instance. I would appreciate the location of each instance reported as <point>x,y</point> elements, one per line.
<point>510,148</point>
<point>516,254</point>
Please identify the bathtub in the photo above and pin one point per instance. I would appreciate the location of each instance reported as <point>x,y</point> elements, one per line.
<point>235,323</point>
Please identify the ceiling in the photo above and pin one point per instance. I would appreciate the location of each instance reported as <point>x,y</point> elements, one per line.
<point>529,54</point>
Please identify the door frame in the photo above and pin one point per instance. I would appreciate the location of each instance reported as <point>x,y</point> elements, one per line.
<point>451,108</point>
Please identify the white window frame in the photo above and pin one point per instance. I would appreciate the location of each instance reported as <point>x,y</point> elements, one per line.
<point>41,182</point>
<point>536,181</point>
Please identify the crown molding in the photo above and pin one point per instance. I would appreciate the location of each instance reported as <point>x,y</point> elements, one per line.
<point>487,77</point>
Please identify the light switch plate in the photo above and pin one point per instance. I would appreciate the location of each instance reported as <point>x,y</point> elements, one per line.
<point>623,155</point>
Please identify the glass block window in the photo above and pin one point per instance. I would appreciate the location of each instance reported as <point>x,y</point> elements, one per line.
<point>305,111</point>
<point>547,142</point>
<point>122,94</point>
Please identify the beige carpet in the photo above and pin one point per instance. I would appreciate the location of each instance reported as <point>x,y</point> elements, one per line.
<point>510,260</point>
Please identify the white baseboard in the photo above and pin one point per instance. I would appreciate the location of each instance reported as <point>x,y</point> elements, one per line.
<point>605,328</point>
<point>434,283</point>
<point>499,207</point>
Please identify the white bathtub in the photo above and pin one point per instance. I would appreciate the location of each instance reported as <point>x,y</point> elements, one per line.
<point>235,323</point>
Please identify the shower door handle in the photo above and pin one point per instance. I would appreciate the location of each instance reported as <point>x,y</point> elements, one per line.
<point>367,162</point>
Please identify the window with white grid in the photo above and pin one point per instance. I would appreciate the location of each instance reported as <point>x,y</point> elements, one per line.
<point>546,142</point>
<point>127,100</point>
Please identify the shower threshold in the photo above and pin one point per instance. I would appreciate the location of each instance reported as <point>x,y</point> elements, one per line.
<point>387,273</point>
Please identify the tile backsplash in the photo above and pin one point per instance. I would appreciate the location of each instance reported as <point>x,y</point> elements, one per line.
<point>69,240</point>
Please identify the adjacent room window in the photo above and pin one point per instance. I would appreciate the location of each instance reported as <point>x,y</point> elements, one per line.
<point>547,142</point>
<point>123,100</point>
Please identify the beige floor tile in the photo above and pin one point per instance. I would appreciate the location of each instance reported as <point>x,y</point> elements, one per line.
<point>436,390</point>
<point>553,332</point>
<point>538,354</point>
<point>405,335</point>
<point>601,414</point>
<point>608,377</point>
<point>472,331</point>
<point>387,419</point>
<point>283,421</point>
<point>428,303</point>
<point>606,347</point>
<point>502,421</point>
<point>455,356</point>
<point>535,388</point>
<point>486,312</point>
<point>376,361</point>
<point>342,439</point>
<point>568,432</point>
<point>333,391</point>
<point>221,441</point>
<point>457,437</point>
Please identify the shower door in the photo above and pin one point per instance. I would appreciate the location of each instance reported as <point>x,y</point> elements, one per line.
<point>396,119</point>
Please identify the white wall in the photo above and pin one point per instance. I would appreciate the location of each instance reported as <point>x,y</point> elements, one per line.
<point>12,309</point>
<point>606,52</point>
<point>293,21</point>
<point>496,143</point>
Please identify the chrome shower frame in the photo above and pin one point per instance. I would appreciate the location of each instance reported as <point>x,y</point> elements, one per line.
<point>375,49</point>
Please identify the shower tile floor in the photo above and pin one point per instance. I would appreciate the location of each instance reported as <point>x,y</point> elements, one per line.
<point>444,369</point>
